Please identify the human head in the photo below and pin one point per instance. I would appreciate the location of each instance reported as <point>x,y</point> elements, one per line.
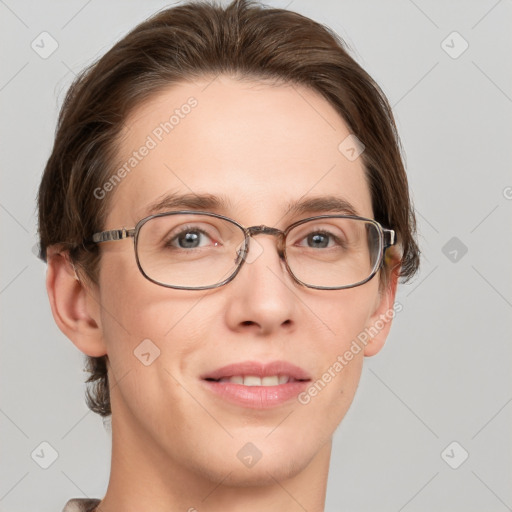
<point>188,43</point>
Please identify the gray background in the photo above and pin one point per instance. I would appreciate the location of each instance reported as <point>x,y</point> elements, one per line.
<point>445,373</point>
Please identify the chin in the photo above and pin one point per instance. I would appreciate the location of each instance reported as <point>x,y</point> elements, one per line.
<point>275,463</point>
<point>263,473</point>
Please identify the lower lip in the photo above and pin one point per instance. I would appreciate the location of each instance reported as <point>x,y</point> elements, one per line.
<point>257,397</point>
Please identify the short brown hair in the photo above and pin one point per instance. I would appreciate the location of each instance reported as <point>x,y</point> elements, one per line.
<point>190,41</point>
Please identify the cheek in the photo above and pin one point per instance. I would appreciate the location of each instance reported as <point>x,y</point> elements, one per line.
<point>139,316</point>
<point>150,332</point>
<point>133,310</point>
<point>131,304</point>
<point>345,316</point>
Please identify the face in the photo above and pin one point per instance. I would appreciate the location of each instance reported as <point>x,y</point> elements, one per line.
<point>260,148</point>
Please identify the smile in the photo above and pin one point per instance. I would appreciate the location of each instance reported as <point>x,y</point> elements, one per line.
<point>257,385</point>
<point>254,380</point>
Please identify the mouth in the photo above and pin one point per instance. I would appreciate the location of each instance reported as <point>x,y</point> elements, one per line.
<point>254,380</point>
<point>257,385</point>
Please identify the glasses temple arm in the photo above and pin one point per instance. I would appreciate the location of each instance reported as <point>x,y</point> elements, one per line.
<point>389,237</point>
<point>112,235</point>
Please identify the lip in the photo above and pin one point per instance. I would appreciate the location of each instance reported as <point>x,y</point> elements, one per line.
<point>259,370</point>
<point>257,397</point>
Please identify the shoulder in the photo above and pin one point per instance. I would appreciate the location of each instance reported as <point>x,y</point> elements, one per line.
<point>81,505</point>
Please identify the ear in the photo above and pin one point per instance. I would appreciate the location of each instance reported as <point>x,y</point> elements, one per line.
<point>75,306</point>
<point>383,314</point>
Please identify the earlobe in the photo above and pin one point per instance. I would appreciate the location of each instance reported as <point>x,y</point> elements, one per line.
<point>75,310</point>
<point>382,317</point>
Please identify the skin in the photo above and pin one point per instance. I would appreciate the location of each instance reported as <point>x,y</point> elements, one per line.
<point>174,443</point>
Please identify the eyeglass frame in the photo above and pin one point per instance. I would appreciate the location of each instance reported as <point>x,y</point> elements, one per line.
<point>387,239</point>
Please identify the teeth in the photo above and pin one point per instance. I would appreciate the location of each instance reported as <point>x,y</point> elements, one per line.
<point>253,380</point>
<point>249,380</point>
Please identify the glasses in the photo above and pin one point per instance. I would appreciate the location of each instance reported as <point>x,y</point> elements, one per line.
<point>192,250</point>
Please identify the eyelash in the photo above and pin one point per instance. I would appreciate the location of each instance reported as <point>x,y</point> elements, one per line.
<point>168,241</point>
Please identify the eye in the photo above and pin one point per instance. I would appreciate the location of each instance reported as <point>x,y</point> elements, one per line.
<point>189,238</point>
<point>321,239</point>
<point>318,240</point>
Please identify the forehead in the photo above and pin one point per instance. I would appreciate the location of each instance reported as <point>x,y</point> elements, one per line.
<point>258,148</point>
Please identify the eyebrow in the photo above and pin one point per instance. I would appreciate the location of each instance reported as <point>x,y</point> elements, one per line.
<point>321,204</point>
<point>188,201</point>
<point>209,202</point>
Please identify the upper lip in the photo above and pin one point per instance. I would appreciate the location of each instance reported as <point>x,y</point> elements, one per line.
<point>258,369</point>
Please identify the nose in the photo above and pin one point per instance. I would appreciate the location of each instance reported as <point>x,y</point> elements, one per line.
<point>262,298</point>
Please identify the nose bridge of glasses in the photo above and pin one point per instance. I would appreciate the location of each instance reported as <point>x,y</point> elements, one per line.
<point>256,230</point>
<point>266,230</point>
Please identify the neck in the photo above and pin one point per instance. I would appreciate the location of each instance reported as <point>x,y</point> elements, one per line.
<point>144,477</point>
